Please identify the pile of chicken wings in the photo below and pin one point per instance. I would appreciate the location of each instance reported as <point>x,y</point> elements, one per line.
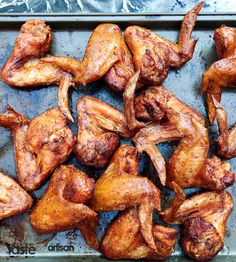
<point>152,115</point>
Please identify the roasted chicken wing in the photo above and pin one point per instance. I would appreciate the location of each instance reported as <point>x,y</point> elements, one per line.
<point>99,127</point>
<point>120,187</point>
<point>123,239</point>
<point>106,55</point>
<point>25,68</point>
<point>188,166</point>
<point>63,206</point>
<point>13,198</point>
<point>204,217</point>
<point>40,145</point>
<point>222,73</point>
<point>153,55</point>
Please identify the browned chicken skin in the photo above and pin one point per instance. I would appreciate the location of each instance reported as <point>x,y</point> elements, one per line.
<point>25,68</point>
<point>123,239</point>
<point>99,127</point>
<point>40,145</point>
<point>204,217</point>
<point>188,166</point>
<point>106,55</point>
<point>120,187</point>
<point>13,198</point>
<point>63,206</point>
<point>222,73</point>
<point>154,55</point>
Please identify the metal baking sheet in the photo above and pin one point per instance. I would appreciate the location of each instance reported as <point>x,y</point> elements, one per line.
<point>71,33</point>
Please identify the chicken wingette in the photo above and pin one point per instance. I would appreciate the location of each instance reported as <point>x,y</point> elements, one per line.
<point>24,67</point>
<point>63,206</point>
<point>13,198</point>
<point>40,145</point>
<point>204,217</point>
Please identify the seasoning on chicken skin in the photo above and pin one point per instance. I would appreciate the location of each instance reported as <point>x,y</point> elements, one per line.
<point>153,55</point>
<point>123,239</point>
<point>13,198</point>
<point>204,217</point>
<point>106,55</point>
<point>25,68</point>
<point>189,165</point>
<point>40,145</point>
<point>222,73</point>
<point>99,127</point>
<point>63,206</point>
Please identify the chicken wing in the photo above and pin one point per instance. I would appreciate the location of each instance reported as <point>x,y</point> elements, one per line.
<point>222,73</point>
<point>188,166</point>
<point>63,206</point>
<point>40,145</point>
<point>25,68</point>
<point>104,56</point>
<point>120,187</point>
<point>13,198</point>
<point>99,127</point>
<point>204,217</point>
<point>153,55</point>
<point>123,239</point>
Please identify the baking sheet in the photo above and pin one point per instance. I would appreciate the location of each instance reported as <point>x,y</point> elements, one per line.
<point>71,34</point>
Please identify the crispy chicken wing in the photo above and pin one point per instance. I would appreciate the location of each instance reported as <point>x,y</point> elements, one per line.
<point>25,68</point>
<point>120,187</point>
<point>99,127</point>
<point>40,145</point>
<point>13,198</point>
<point>222,73</point>
<point>123,239</point>
<point>204,217</point>
<point>153,55</point>
<point>188,166</point>
<point>106,55</point>
<point>63,206</point>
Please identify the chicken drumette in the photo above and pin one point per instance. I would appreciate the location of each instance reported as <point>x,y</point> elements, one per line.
<point>40,145</point>
<point>106,55</point>
<point>204,217</point>
<point>222,73</point>
<point>13,198</point>
<point>99,127</point>
<point>123,239</point>
<point>120,187</point>
<point>24,66</point>
<point>63,206</point>
<point>189,165</point>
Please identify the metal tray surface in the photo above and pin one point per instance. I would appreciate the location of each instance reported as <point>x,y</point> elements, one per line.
<point>71,34</point>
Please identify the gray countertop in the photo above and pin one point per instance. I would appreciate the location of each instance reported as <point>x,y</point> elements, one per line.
<point>85,6</point>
